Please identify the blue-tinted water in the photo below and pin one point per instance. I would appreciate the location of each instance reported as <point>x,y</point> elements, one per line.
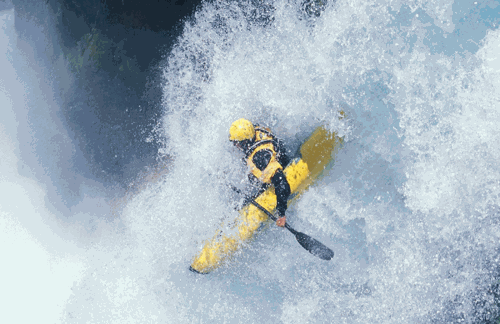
<point>410,206</point>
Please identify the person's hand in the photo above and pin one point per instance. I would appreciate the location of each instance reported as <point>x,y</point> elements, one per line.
<point>281,221</point>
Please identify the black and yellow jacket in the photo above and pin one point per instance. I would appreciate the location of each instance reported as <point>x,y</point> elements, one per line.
<point>266,159</point>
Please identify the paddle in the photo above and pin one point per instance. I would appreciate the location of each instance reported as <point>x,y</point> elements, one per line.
<point>315,247</point>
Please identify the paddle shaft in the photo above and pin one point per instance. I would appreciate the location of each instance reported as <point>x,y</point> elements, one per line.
<point>256,204</point>
<point>313,246</point>
<point>288,227</point>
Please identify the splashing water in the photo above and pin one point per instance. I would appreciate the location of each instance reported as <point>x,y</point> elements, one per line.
<point>410,206</point>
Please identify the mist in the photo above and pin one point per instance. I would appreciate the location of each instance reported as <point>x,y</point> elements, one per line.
<point>111,183</point>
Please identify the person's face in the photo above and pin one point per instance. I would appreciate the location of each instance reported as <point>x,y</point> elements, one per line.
<point>238,144</point>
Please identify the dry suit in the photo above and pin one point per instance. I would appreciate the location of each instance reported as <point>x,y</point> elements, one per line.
<point>266,158</point>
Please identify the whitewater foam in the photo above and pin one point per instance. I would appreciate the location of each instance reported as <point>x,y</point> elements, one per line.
<point>410,206</point>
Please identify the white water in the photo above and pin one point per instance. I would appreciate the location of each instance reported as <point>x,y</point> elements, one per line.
<point>410,207</point>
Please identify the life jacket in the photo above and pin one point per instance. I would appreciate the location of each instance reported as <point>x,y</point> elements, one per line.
<point>264,141</point>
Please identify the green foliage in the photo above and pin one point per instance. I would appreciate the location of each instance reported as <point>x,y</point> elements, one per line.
<point>95,51</point>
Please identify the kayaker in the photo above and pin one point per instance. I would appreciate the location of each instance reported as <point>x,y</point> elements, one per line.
<point>266,157</point>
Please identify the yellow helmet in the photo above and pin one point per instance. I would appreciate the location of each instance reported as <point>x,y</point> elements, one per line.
<point>241,130</point>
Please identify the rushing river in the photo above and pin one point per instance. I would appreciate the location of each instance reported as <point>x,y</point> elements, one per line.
<point>410,207</point>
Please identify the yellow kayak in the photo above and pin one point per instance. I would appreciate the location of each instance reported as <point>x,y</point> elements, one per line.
<point>316,153</point>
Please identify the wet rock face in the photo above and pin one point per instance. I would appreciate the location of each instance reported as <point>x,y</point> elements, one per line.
<point>77,18</point>
<point>152,15</point>
<point>112,49</point>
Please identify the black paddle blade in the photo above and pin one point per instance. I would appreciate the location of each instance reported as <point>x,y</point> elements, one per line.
<point>315,247</point>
